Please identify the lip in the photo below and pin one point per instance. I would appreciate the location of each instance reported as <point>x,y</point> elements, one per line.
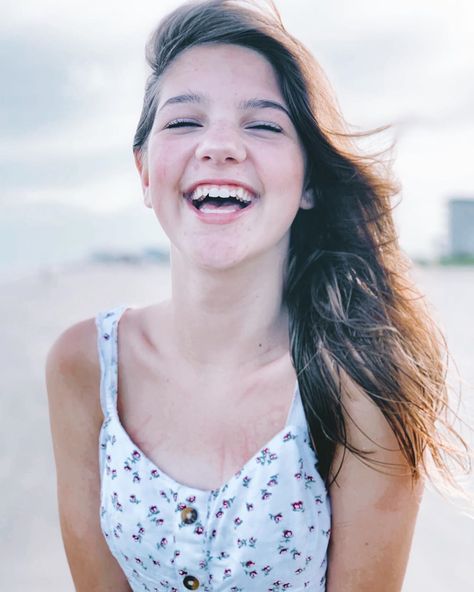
<point>221,181</point>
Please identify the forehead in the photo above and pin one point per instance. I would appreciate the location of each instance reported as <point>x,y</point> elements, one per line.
<point>225,68</point>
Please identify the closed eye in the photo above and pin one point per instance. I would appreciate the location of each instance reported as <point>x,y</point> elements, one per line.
<point>177,123</point>
<point>267,126</point>
<point>181,123</point>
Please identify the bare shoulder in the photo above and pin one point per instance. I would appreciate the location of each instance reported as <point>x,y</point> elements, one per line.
<point>73,370</point>
<point>74,350</point>
<point>73,385</point>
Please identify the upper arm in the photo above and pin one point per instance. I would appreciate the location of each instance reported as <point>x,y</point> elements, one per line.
<point>72,382</point>
<point>373,513</point>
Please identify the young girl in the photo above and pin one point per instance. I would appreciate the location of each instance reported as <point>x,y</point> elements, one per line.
<point>265,428</point>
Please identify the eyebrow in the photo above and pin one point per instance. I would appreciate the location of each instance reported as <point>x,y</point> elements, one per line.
<point>184,98</point>
<point>253,103</point>
<point>263,104</point>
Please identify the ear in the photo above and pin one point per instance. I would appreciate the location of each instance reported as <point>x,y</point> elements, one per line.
<point>142,168</point>
<point>307,199</point>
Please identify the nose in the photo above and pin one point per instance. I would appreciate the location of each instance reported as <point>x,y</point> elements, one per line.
<point>221,144</point>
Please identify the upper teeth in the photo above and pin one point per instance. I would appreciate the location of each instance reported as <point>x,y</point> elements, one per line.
<point>223,191</point>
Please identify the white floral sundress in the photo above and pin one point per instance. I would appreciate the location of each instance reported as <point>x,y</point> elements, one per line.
<point>266,529</point>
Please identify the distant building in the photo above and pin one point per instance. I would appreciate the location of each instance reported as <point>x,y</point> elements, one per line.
<point>461,227</point>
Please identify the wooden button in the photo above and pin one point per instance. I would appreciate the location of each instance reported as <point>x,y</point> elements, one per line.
<point>191,583</point>
<point>188,516</point>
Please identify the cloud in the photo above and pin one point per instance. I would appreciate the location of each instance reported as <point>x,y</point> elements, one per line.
<point>392,61</point>
<point>36,77</point>
<point>67,113</point>
<point>61,171</point>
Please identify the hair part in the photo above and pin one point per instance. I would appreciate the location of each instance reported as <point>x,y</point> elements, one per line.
<point>355,316</point>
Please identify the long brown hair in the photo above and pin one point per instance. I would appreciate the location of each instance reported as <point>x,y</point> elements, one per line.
<point>354,314</point>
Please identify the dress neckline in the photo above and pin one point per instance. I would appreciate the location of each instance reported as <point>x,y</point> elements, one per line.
<point>290,423</point>
<point>174,484</point>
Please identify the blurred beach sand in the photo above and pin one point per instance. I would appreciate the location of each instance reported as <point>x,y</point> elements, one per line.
<point>37,309</point>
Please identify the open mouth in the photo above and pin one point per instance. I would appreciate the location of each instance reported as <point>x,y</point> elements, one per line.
<point>219,199</point>
<point>224,203</point>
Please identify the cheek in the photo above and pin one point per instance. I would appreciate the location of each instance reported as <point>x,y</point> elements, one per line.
<point>289,177</point>
<point>287,188</point>
<point>166,162</point>
<point>287,164</point>
<point>164,177</point>
<point>160,167</point>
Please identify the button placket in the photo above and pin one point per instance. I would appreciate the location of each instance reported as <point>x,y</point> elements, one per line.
<point>190,510</point>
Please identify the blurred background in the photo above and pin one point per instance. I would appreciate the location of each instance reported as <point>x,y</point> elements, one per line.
<point>75,237</point>
<point>72,82</point>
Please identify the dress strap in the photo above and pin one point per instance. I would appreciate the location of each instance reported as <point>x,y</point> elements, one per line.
<point>296,416</point>
<point>106,323</point>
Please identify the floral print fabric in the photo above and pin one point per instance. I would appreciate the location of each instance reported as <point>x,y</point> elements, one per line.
<point>266,529</point>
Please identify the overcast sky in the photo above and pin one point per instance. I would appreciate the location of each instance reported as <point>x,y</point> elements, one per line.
<point>73,74</point>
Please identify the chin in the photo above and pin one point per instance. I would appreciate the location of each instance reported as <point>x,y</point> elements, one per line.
<point>218,255</point>
<point>217,263</point>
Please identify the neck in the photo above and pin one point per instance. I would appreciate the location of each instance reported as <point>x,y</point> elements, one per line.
<point>229,319</point>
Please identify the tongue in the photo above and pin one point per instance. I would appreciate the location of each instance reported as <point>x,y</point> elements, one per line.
<point>211,204</point>
<point>221,207</point>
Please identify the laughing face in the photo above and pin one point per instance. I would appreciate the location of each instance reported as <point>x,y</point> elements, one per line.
<point>223,168</point>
